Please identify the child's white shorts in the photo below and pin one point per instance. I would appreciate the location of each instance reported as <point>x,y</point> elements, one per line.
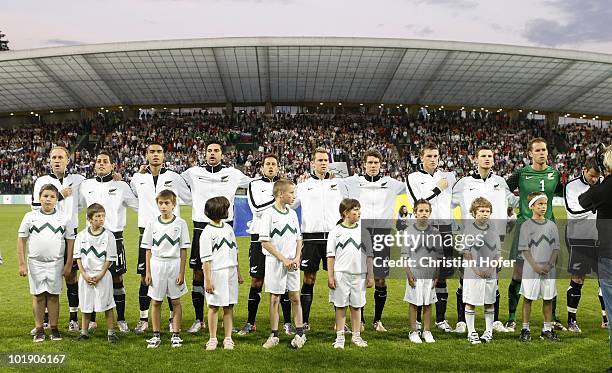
<point>479,291</point>
<point>45,276</point>
<point>279,279</point>
<point>98,297</point>
<point>164,273</point>
<point>350,290</point>
<point>422,294</point>
<point>225,282</point>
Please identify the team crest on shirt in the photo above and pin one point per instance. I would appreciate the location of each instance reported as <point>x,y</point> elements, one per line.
<point>112,191</point>
<point>167,182</point>
<point>383,185</point>
<point>224,179</point>
<point>551,176</point>
<point>333,187</point>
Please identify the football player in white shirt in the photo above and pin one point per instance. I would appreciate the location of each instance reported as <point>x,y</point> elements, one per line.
<point>167,240</point>
<point>581,238</point>
<point>434,185</point>
<point>95,251</point>
<point>68,206</point>
<point>377,195</point>
<point>48,237</point>
<point>209,180</point>
<point>260,198</point>
<point>319,197</point>
<point>219,255</point>
<point>146,184</point>
<point>280,236</point>
<point>115,196</point>
<point>349,271</point>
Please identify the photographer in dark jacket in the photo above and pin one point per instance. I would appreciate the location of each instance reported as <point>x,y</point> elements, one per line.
<point>599,199</point>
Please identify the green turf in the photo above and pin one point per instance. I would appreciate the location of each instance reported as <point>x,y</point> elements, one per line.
<point>389,351</point>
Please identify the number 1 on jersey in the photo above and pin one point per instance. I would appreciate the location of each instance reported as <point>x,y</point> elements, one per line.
<point>542,184</point>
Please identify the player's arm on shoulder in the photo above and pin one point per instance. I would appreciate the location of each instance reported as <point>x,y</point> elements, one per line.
<point>129,199</point>
<point>513,181</point>
<point>243,180</point>
<point>399,187</point>
<point>457,192</point>
<point>182,188</point>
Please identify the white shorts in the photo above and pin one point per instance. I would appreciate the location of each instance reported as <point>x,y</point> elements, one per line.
<point>98,297</point>
<point>479,292</point>
<point>45,276</point>
<point>278,279</point>
<point>423,294</point>
<point>164,273</point>
<point>536,288</point>
<point>350,290</point>
<point>225,282</point>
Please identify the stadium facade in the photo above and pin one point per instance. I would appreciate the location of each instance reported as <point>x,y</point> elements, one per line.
<point>267,71</point>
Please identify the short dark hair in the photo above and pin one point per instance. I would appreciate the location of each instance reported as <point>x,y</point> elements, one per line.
<point>216,208</point>
<point>428,146</point>
<point>93,209</point>
<point>591,163</point>
<point>533,141</point>
<point>155,143</point>
<point>483,147</point>
<point>50,187</point>
<point>166,194</point>
<point>106,153</point>
<point>270,155</point>
<point>214,142</point>
<point>421,202</point>
<point>371,153</point>
<point>347,204</point>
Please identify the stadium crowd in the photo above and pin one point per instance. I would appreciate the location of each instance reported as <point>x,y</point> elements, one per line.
<point>24,150</point>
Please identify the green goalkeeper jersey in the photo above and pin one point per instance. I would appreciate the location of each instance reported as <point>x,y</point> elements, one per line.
<point>528,180</point>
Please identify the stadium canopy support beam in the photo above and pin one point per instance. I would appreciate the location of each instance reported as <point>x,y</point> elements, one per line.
<point>268,108</point>
<point>56,79</point>
<point>537,89</point>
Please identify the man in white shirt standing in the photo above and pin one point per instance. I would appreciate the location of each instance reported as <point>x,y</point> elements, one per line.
<point>319,196</point>
<point>435,186</point>
<point>114,196</point>
<point>377,194</point>
<point>146,185</point>
<point>209,180</point>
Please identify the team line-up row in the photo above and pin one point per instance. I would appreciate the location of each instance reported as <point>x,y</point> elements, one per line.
<point>331,210</point>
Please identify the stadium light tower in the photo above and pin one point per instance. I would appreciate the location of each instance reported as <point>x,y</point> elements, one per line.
<point>3,43</point>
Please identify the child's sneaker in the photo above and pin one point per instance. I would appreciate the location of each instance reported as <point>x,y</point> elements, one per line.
<point>306,327</point>
<point>428,337</point>
<point>549,335</point>
<point>92,326</point>
<point>39,336</point>
<point>298,342</point>
<point>499,327</point>
<point>82,337</point>
<point>557,325</point>
<point>271,342</point>
<point>73,326</point>
<point>176,341</point>
<point>153,342</point>
<point>418,325</point>
<point>487,337</point>
<point>358,341</point>
<point>460,328</point>
<point>525,335</point>
<point>228,344</point>
<point>339,342</point>
<point>113,338</point>
<point>55,335</point>
<point>414,337</point>
<point>510,326</point>
<point>473,338</point>
<point>211,345</point>
<point>289,329</point>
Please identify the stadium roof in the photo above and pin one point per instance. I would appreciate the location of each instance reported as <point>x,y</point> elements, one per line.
<point>298,70</point>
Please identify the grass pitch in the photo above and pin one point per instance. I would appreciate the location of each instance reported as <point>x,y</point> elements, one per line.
<point>389,351</point>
